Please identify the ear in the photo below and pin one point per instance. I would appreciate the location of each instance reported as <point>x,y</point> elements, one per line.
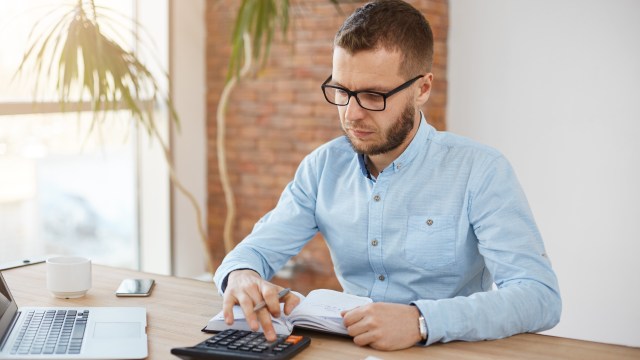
<point>424,90</point>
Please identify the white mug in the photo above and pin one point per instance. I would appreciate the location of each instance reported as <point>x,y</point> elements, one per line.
<point>68,277</point>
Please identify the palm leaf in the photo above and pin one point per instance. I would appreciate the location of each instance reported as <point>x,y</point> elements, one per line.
<point>259,19</point>
<point>80,56</point>
<point>101,69</point>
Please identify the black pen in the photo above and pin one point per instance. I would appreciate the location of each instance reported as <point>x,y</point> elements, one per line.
<point>281,294</point>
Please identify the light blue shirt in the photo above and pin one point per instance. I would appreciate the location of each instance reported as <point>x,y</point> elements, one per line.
<point>436,229</point>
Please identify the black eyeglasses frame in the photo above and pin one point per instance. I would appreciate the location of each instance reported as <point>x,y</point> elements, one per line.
<point>355,93</point>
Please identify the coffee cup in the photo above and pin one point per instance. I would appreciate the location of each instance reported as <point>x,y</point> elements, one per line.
<point>68,277</point>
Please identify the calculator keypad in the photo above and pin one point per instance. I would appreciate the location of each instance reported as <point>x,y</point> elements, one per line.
<point>247,341</point>
<point>242,344</point>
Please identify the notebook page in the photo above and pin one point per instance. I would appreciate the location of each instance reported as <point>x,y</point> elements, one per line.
<point>325,303</point>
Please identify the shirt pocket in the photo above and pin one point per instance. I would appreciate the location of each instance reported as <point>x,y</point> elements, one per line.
<point>430,241</point>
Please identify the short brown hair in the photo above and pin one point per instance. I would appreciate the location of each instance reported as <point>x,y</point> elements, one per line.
<point>392,25</point>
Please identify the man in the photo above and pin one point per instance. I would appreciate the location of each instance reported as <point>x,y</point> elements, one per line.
<point>421,221</point>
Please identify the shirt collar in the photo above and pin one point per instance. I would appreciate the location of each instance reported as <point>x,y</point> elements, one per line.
<point>425,132</point>
<point>363,166</point>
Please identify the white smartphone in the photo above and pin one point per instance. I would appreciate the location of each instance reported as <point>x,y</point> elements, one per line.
<point>135,287</point>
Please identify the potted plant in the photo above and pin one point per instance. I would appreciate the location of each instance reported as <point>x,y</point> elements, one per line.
<point>74,56</point>
<point>253,32</point>
<point>81,61</point>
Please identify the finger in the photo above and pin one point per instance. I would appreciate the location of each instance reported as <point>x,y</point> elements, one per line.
<point>357,328</point>
<point>290,302</point>
<point>270,294</point>
<point>264,317</point>
<point>350,317</point>
<point>379,343</point>
<point>345,312</point>
<point>247,302</point>
<point>228,301</point>
<point>364,339</point>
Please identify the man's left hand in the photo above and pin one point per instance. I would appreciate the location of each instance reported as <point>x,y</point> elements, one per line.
<point>383,326</point>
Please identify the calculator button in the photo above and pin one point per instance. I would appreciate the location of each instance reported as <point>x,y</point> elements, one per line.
<point>294,339</point>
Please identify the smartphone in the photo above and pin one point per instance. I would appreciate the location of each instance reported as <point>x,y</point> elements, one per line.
<point>135,287</point>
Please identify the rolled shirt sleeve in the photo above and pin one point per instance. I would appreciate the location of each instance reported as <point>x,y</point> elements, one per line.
<point>527,298</point>
<point>281,233</point>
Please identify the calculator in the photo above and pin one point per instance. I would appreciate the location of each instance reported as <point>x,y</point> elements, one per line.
<point>241,344</point>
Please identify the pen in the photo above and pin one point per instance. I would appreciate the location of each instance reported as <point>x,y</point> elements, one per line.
<point>281,294</point>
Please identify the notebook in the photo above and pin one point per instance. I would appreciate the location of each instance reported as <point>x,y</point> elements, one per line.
<point>319,310</point>
<point>70,332</point>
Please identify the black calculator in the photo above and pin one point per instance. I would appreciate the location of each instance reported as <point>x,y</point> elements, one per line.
<point>240,344</point>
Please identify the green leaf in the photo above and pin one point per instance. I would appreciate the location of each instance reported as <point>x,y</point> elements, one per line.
<point>260,19</point>
<point>75,54</point>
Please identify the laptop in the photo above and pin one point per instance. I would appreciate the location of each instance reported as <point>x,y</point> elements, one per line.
<point>70,332</point>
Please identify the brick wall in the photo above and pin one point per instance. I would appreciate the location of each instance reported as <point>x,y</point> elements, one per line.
<point>277,117</point>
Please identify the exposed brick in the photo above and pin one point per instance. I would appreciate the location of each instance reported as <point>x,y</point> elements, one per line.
<point>278,116</point>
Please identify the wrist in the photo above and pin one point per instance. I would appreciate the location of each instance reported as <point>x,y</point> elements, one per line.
<point>243,271</point>
<point>226,279</point>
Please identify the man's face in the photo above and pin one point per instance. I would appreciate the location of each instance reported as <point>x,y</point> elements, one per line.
<point>375,132</point>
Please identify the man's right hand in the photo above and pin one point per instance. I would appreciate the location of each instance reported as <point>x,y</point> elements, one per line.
<point>247,288</point>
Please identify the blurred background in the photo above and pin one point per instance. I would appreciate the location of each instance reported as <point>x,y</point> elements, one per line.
<point>554,85</point>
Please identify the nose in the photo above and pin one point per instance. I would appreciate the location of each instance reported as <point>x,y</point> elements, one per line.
<point>353,110</point>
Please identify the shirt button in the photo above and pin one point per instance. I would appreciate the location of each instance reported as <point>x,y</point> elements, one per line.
<point>381,277</point>
<point>376,198</point>
<point>429,222</point>
<point>374,242</point>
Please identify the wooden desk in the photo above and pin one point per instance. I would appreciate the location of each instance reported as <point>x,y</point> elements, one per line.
<point>178,308</point>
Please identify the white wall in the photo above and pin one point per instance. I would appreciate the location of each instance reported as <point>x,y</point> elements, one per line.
<point>153,183</point>
<point>188,41</point>
<point>555,85</point>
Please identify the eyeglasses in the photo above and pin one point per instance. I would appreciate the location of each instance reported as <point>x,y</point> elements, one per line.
<point>367,99</point>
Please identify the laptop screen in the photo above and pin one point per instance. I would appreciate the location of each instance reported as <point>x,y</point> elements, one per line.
<point>8,309</point>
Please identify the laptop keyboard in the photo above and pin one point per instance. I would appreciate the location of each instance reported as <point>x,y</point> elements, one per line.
<point>51,332</point>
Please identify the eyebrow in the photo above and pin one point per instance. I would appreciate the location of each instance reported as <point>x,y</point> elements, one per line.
<point>381,90</point>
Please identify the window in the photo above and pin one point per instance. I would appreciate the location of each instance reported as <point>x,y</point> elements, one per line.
<point>63,188</point>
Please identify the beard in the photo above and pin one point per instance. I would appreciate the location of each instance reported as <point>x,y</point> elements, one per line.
<point>393,137</point>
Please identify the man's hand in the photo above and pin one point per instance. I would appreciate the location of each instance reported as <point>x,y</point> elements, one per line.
<point>383,326</point>
<point>247,288</point>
